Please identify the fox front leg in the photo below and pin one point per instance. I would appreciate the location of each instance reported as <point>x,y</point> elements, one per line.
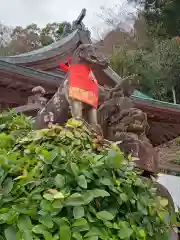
<point>92,119</point>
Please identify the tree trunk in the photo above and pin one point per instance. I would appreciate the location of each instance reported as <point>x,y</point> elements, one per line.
<point>174,95</point>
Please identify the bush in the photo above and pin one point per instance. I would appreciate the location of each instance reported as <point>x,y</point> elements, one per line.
<point>67,183</point>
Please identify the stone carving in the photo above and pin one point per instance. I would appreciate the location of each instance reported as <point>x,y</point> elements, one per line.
<point>126,125</point>
<point>78,24</point>
<point>89,58</point>
<point>55,111</point>
<point>38,96</point>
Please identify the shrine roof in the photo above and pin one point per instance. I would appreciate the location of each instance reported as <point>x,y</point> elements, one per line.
<point>141,95</point>
<point>140,98</point>
<point>163,118</point>
<point>59,48</point>
<point>9,71</point>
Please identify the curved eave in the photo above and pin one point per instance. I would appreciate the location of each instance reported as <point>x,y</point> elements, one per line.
<point>34,77</point>
<point>163,118</point>
<point>159,109</point>
<point>55,49</point>
<point>48,57</point>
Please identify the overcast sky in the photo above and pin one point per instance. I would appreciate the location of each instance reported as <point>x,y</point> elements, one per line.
<point>24,12</point>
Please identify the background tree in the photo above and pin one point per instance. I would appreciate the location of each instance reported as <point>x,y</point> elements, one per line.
<point>126,62</point>
<point>158,70</point>
<point>24,39</point>
<point>167,55</point>
<point>53,32</point>
<point>163,17</point>
<point>5,36</point>
<point>151,53</point>
<point>30,38</point>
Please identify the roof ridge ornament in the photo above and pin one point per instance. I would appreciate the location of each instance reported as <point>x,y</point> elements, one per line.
<point>78,24</point>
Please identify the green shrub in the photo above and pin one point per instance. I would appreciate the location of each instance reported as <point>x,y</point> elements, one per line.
<point>66,183</point>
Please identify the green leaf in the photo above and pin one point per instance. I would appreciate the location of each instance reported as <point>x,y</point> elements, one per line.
<point>46,221</point>
<point>70,135</point>
<point>77,134</point>
<point>115,159</point>
<point>7,186</point>
<point>164,202</point>
<point>142,209</point>
<point>59,181</point>
<point>92,238</point>
<point>39,229</point>
<point>57,204</point>
<point>53,155</point>
<point>25,228</point>
<point>82,181</point>
<point>124,197</point>
<point>142,233</point>
<point>88,197</point>
<point>77,236</point>
<point>27,235</point>
<point>101,232</point>
<point>10,233</point>
<point>106,181</point>
<point>4,217</point>
<point>48,196</point>
<point>73,123</point>
<point>47,235</point>
<point>80,222</point>
<point>78,212</point>
<point>75,169</point>
<point>138,182</point>
<point>74,200</point>
<point>65,230</point>
<point>77,142</point>
<point>100,193</point>
<point>58,195</point>
<point>105,216</point>
<point>125,231</point>
<point>24,223</point>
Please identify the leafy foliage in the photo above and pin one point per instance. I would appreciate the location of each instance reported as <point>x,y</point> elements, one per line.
<point>154,50</point>
<point>143,63</point>
<point>178,218</point>
<point>66,183</point>
<point>32,37</point>
<point>157,69</point>
<point>162,17</point>
<point>10,122</point>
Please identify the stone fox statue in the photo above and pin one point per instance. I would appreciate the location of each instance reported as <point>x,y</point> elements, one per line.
<point>81,84</point>
<point>80,89</point>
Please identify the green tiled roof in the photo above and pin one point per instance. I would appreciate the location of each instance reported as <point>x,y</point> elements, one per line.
<point>156,103</point>
<point>139,94</point>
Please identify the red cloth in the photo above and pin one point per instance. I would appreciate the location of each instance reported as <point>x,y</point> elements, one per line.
<point>65,66</point>
<point>69,60</point>
<point>83,84</point>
